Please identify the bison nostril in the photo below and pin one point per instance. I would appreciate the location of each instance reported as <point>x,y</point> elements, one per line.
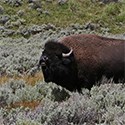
<point>44,58</point>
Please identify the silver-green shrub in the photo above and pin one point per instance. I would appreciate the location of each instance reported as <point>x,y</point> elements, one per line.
<point>103,105</point>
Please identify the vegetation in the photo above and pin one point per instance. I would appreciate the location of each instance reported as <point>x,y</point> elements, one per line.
<point>110,15</point>
<point>25,99</point>
<point>30,79</point>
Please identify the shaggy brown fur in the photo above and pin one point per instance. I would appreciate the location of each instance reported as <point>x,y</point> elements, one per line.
<point>97,56</point>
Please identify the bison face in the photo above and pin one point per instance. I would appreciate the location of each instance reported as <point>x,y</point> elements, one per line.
<point>58,65</point>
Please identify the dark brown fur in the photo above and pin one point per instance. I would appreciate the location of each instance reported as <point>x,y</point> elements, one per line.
<point>93,57</point>
<point>97,56</point>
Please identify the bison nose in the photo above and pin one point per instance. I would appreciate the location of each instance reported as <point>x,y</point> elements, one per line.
<point>44,58</point>
<point>43,61</point>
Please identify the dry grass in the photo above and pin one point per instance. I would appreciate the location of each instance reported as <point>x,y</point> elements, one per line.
<point>31,80</point>
<point>3,79</point>
<point>25,104</point>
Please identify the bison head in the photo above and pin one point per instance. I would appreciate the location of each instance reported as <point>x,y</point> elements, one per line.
<point>58,65</point>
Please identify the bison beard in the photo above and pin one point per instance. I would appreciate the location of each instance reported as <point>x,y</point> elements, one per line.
<point>82,60</point>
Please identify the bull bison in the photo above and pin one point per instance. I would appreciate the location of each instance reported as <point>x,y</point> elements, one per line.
<point>78,61</point>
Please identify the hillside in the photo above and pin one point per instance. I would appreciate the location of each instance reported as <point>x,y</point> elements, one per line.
<point>18,17</point>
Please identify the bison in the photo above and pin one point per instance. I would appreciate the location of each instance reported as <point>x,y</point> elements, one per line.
<point>82,60</point>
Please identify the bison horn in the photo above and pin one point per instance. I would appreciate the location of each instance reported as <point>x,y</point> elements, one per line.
<point>67,54</point>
